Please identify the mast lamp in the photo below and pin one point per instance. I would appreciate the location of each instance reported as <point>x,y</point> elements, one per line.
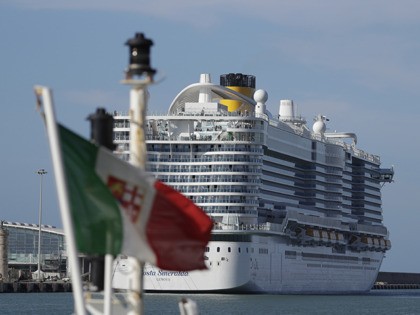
<point>139,56</point>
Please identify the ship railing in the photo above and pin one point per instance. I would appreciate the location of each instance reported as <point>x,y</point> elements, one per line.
<point>369,229</point>
<point>214,181</point>
<point>122,124</point>
<point>120,114</point>
<point>227,189</point>
<point>120,137</point>
<point>244,125</point>
<point>357,152</point>
<point>234,171</point>
<point>244,159</point>
<point>202,138</point>
<point>370,157</point>
<point>227,201</point>
<point>269,227</point>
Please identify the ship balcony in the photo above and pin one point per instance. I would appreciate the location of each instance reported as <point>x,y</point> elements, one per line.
<point>193,191</point>
<point>200,179</point>
<point>272,228</point>
<point>203,172</point>
<point>245,125</point>
<point>226,201</point>
<point>120,137</point>
<point>208,149</point>
<point>204,159</point>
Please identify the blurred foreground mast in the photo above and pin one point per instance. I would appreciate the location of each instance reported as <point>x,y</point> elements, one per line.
<point>101,129</point>
<point>138,75</point>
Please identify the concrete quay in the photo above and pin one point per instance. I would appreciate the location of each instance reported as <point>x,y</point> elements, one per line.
<point>397,281</point>
<point>30,287</point>
<point>384,281</point>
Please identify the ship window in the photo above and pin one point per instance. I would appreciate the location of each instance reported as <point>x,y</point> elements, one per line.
<point>229,249</point>
<point>207,249</point>
<point>218,249</point>
<point>239,249</point>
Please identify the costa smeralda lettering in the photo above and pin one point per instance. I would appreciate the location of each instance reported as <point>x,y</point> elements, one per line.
<point>163,273</point>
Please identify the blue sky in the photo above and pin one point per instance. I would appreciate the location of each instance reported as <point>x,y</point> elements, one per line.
<point>357,62</point>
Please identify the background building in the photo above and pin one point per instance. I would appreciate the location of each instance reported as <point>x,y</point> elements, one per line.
<point>23,249</point>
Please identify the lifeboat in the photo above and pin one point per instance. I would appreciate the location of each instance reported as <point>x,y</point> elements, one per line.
<point>382,244</point>
<point>340,238</point>
<point>312,236</point>
<point>332,236</point>
<point>367,242</point>
<point>376,244</point>
<point>325,237</point>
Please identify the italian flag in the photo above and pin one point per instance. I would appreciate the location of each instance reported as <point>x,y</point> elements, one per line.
<point>117,208</point>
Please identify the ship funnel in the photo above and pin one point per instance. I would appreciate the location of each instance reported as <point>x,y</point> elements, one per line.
<point>286,110</point>
<point>205,78</point>
<point>205,93</point>
<point>242,83</point>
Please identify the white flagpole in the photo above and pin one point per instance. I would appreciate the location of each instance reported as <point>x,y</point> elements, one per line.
<point>138,156</point>
<point>63,198</point>
<point>139,75</point>
<point>138,105</point>
<point>109,259</point>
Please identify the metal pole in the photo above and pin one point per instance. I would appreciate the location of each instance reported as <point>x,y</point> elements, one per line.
<point>138,156</point>
<point>101,133</point>
<point>138,107</point>
<point>41,172</point>
<point>139,75</point>
<point>45,94</point>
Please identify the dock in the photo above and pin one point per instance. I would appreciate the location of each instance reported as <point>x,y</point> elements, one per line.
<point>397,281</point>
<point>384,281</point>
<point>32,287</point>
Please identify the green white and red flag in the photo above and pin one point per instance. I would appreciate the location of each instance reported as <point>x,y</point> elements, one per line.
<point>117,208</point>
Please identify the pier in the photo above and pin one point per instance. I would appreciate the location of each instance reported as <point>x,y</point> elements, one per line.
<point>32,287</point>
<point>397,281</point>
<point>384,281</point>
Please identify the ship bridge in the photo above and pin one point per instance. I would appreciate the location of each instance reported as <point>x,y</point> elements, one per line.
<point>384,175</point>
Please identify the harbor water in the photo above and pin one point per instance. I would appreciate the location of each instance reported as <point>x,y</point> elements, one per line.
<point>377,302</point>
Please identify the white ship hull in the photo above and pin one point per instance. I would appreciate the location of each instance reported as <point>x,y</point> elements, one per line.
<point>270,265</point>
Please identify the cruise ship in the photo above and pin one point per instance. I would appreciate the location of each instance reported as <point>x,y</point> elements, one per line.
<point>296,209</point>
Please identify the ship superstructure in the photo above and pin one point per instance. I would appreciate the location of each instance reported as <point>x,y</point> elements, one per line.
<point>295,210</point>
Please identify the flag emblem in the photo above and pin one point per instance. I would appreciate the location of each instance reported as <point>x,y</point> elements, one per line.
<point>129,196</point>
